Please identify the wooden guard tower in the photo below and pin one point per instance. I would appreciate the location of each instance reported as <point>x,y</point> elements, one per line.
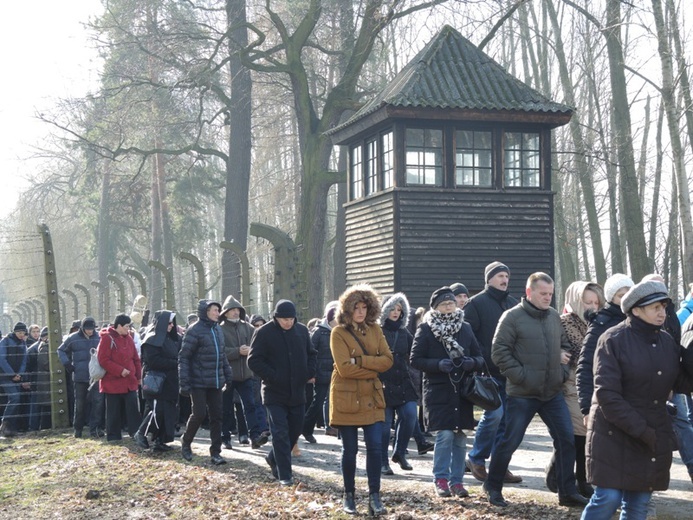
<point>449,170</point>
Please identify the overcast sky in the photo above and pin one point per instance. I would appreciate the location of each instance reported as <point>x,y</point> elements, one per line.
<point>46,55</point>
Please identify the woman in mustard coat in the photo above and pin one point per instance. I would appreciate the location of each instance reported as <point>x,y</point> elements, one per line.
<point>360,353</point>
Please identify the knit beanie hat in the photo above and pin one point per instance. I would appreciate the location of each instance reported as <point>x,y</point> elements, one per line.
<point>44,332</point>
<point>615,283</point>
<point>255,318</point>
<point>285,309</point>
<point>459,288</point>
<point>493,269</point>
<point>441,295</point>
<point>643,294</point>
<point>20,327</point>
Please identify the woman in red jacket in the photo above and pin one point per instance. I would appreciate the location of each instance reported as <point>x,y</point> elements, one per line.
<point>118,356</point>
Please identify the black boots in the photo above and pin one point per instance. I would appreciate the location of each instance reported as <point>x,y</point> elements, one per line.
<point>375,506</point>
<point>349,505</point>
<point>402,461</point>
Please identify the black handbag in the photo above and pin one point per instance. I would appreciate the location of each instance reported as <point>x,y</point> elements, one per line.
<point>152,384</point>
<point>481,391</point>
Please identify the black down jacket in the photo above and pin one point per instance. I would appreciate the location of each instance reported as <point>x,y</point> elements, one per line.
<point>75,353</point>
<point>202,362</point>
<point>606,318</point>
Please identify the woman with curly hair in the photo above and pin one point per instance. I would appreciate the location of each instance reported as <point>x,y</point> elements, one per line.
<point>360,353</point>
<point>444,349</point>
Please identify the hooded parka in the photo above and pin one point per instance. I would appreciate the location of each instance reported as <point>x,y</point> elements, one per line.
<point>356,393</point>
<point>397,384</point>
<point>236,334</point>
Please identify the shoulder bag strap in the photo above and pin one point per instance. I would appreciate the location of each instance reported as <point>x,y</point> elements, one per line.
<point>358,341</point>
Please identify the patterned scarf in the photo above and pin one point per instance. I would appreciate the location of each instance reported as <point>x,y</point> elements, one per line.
<point>445,327</point>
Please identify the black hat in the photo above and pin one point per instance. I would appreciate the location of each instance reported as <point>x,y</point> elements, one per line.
<point>20,327</point>
<point>441,295</point>
<point>493,269</point>
<point>285,309</point>
<point>644,293</point>
<point>459,288</point>
<point>44,332</point>
<point>75,324</point>
<point>88,323</point>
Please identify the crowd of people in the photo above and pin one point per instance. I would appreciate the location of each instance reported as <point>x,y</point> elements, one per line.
<point>611,377</point>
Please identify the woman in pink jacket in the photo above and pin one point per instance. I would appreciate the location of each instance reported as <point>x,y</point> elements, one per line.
<point>118,356</point>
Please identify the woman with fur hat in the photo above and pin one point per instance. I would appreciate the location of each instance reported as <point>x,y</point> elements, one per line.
<point>629,433</point>
<point>445,349</point>
<point>360,354</point>
<point>400,395</point>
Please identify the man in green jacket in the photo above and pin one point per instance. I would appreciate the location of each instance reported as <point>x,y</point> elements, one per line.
<point>529,348</point>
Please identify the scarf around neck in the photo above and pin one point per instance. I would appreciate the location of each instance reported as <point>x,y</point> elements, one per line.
<point>445,327</point>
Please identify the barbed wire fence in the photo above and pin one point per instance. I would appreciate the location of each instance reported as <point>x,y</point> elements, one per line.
<point>33,290</point>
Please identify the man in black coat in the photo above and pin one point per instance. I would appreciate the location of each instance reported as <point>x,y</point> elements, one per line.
<point>482,312</point>
<point>282,356</point>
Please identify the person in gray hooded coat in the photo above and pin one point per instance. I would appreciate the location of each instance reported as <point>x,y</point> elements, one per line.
<point>237,335</point>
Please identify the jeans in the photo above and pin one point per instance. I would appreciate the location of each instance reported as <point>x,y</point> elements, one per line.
<point>254,417</point>
<point>114,421</point>
<point>606,501</point>
<point>286,424</point>
<point>316,407</point>
<point>683,430</point>
<point>519,412</point>
<point>448,456</point>
<point>490,429</point>
<point>14,397</point>
<point>404,429</point>
<point>372,436</point>
<point>205,401</point>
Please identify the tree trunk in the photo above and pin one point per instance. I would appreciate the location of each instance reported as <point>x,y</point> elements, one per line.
<point>631,204</point>
<point>682,70</point>
<point>669,100</point>
<point>583,170</point>
<point>104,238</point>
<point>656,188</point>
<point>239,160</point>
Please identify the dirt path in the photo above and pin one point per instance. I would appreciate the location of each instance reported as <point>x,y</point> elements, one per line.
<point>320,463</point>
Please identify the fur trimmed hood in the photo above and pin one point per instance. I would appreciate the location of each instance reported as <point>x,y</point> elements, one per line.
<point>353,295</point>
<point>389,305</point>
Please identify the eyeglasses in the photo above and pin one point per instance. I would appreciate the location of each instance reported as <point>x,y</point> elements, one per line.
<point>447,303</point>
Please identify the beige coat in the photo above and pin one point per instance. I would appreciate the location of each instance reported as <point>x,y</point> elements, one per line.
<point>356,393</point>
